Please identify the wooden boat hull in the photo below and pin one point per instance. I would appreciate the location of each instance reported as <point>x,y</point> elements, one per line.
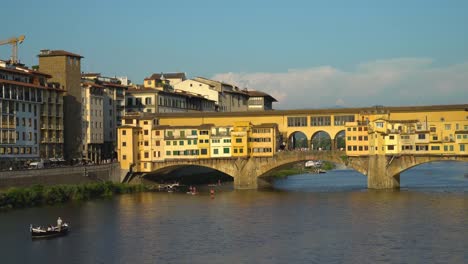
<point>49,234</point>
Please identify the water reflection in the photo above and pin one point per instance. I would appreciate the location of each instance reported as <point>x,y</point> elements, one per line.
<point>325,218</point>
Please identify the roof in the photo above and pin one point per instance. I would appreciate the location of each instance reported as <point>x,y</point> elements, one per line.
<point>28,85</point>
<point>53,53</point>
<point>168,127</point>
<point>113,85</point>
<point>260,94</point>
<point>269,125</point>
<point>89,74</point>
<point>167,75</point>
<point>206,81</point>
<point>305,112</point>
<point>92,84</point>
<point>143,90</point>
<point>25,71</point>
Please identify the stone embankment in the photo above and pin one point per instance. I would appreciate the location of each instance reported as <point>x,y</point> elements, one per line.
<point>60,175</point>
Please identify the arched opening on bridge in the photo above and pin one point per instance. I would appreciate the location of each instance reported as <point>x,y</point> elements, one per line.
<point>452,175</point>
<point>340,140</point>
<point>295,177</point>
<point>321,140</point>
<point>188,175</point>
<point>297,140</point>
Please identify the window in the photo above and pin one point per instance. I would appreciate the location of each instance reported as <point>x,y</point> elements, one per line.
<point>226,150</point>
<point>391,137</point>
<point>238,140</point>
<point>148,101</point>
<point>168,152</point>
<point>181,142</point>
<point>341,120</point>
<point>421,136</point>
<point>203,151</point>
<point>448,126</point>
<point>391,147</point>
<point>158,143</point>
<point>146,155</point>
<point>435,147</point>
<point>124,157</point>
<point>215,151</point>
<point>320,121</point>
<point>124,144</point>
<point>462,147</point>
<point>379,124</point>
<point>145,132</point>
<point>297,121</point>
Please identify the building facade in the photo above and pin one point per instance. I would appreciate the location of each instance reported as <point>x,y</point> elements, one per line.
<point>31,114</point>
<point>260,101</point>
<point>152,100</point>
<point>65,69</point>
<point>150,143</point>
<point>92,122</point>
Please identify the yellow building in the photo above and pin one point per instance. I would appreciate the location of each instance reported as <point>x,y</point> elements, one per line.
<point>239,138</point>
<point>220,142</point>
<point>439,130</point>
<point>263,140</point>
<point>204,135</point>
<point>127,146</point>
<point>180,142</point>
<point>357,138</point>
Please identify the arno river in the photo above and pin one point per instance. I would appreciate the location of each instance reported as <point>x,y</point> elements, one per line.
<point>326,218</point>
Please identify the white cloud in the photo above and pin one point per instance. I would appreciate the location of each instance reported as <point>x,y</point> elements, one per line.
<point>400,81</point>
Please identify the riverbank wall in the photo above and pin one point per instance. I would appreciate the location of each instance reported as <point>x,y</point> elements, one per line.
<point>61,175</point>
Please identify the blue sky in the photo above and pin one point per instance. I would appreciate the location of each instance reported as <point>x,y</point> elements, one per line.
<point>317,46</point>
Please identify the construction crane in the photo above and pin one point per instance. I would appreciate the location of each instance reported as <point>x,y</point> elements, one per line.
<point>14,46</point>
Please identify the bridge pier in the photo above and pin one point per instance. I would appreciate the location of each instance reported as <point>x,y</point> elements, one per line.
<point>378,176</point>
<point>245,175</point>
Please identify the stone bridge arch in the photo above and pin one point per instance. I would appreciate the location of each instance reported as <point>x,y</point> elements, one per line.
<point>384,171</point>
<point>246,171</point>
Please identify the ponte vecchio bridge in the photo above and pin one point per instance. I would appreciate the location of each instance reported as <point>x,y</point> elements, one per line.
<point>379,142</point>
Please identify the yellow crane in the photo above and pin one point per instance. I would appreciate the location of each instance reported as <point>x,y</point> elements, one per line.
<point>14,46</point>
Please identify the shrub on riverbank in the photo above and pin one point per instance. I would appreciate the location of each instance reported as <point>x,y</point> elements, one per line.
<point>41,195</point>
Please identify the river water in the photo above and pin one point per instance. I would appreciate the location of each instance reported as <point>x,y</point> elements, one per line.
<point>326,218</point>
